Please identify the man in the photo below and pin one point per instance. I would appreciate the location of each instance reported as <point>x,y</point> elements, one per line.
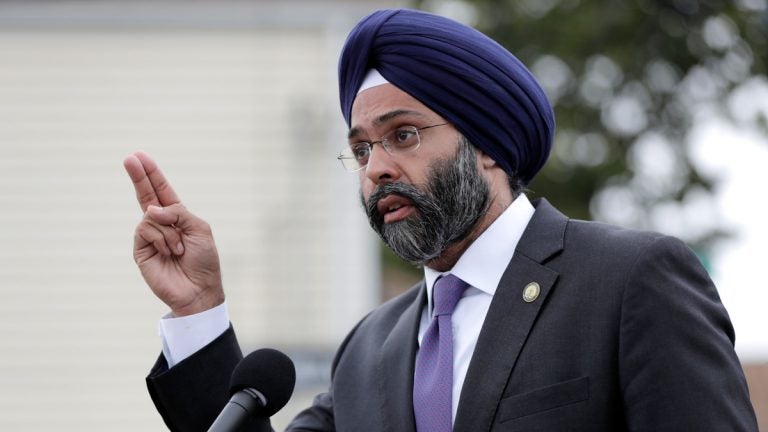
<point>526,320</point>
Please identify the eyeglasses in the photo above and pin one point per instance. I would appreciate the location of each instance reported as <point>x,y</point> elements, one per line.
<point>406,139</point>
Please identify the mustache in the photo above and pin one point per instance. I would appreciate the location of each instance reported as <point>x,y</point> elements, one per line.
<point>416,239</point>
<point>404,190</point>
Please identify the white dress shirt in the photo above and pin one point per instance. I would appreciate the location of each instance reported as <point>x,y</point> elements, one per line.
<point>481,266</point>
<point>184,336</point>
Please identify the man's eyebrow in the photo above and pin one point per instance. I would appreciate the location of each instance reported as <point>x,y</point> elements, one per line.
<point>393,114</point>
<point>353,132</point>
<point>385,118</point>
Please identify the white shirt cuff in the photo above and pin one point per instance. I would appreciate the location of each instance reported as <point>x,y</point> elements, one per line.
<point>184,336</point>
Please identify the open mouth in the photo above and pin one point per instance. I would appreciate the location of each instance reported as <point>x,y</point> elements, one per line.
<point>394,208</point>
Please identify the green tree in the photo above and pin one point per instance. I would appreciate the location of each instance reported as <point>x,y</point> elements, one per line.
<point>627,80</point>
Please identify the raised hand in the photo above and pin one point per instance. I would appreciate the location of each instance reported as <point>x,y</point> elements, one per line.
<point>173,248</point>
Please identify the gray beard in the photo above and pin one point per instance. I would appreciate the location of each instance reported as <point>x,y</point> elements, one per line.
<point>455,198</point>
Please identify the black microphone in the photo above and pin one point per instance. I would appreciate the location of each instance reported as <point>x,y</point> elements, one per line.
<point>261,385</point>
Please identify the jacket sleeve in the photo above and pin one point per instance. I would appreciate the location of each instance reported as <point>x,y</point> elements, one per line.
<point>190,395</point>
<point>678,368</point>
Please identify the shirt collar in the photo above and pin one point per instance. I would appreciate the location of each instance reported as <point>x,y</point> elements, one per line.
<point>486,259</point>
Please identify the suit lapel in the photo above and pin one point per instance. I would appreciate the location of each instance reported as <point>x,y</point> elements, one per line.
<point>510,319</point>
<point>397,368</point>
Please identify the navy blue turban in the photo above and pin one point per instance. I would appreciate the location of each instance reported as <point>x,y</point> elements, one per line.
<point>459,73</point>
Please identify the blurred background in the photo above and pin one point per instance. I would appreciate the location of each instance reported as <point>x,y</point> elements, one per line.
<point>662,111</point>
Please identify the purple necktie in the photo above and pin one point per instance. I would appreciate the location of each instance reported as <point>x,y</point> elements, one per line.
<point>433,379</point>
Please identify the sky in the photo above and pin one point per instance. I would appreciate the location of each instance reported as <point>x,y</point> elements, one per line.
<point>736,155</point>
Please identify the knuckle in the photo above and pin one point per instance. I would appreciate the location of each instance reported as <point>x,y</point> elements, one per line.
<point>146,231</point>
<point>171,235</point>
<point>161,185</point>
<point>146,197</point>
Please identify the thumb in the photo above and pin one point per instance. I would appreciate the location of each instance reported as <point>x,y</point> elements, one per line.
<point>175,215</point>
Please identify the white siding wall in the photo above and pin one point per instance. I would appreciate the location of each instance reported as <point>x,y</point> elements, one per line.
<point>245,124</point>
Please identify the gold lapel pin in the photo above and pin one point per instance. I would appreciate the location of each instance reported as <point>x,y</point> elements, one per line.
<point>531,292</point>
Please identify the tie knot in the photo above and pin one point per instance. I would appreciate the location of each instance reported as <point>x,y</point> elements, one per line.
<point>447,292</point>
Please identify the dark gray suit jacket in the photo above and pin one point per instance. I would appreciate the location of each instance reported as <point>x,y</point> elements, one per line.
<point>627,334</point>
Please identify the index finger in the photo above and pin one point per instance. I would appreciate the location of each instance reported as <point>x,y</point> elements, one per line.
<point>150,184</point>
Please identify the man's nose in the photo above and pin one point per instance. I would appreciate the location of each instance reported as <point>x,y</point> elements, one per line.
<point>381,166</point>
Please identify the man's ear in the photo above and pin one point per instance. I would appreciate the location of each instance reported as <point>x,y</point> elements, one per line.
<point>486,161</point>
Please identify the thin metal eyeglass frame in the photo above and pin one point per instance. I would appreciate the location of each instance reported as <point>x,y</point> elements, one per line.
<point>382,141</point>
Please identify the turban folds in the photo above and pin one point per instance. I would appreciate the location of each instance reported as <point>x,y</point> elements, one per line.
<point>459,73</point>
